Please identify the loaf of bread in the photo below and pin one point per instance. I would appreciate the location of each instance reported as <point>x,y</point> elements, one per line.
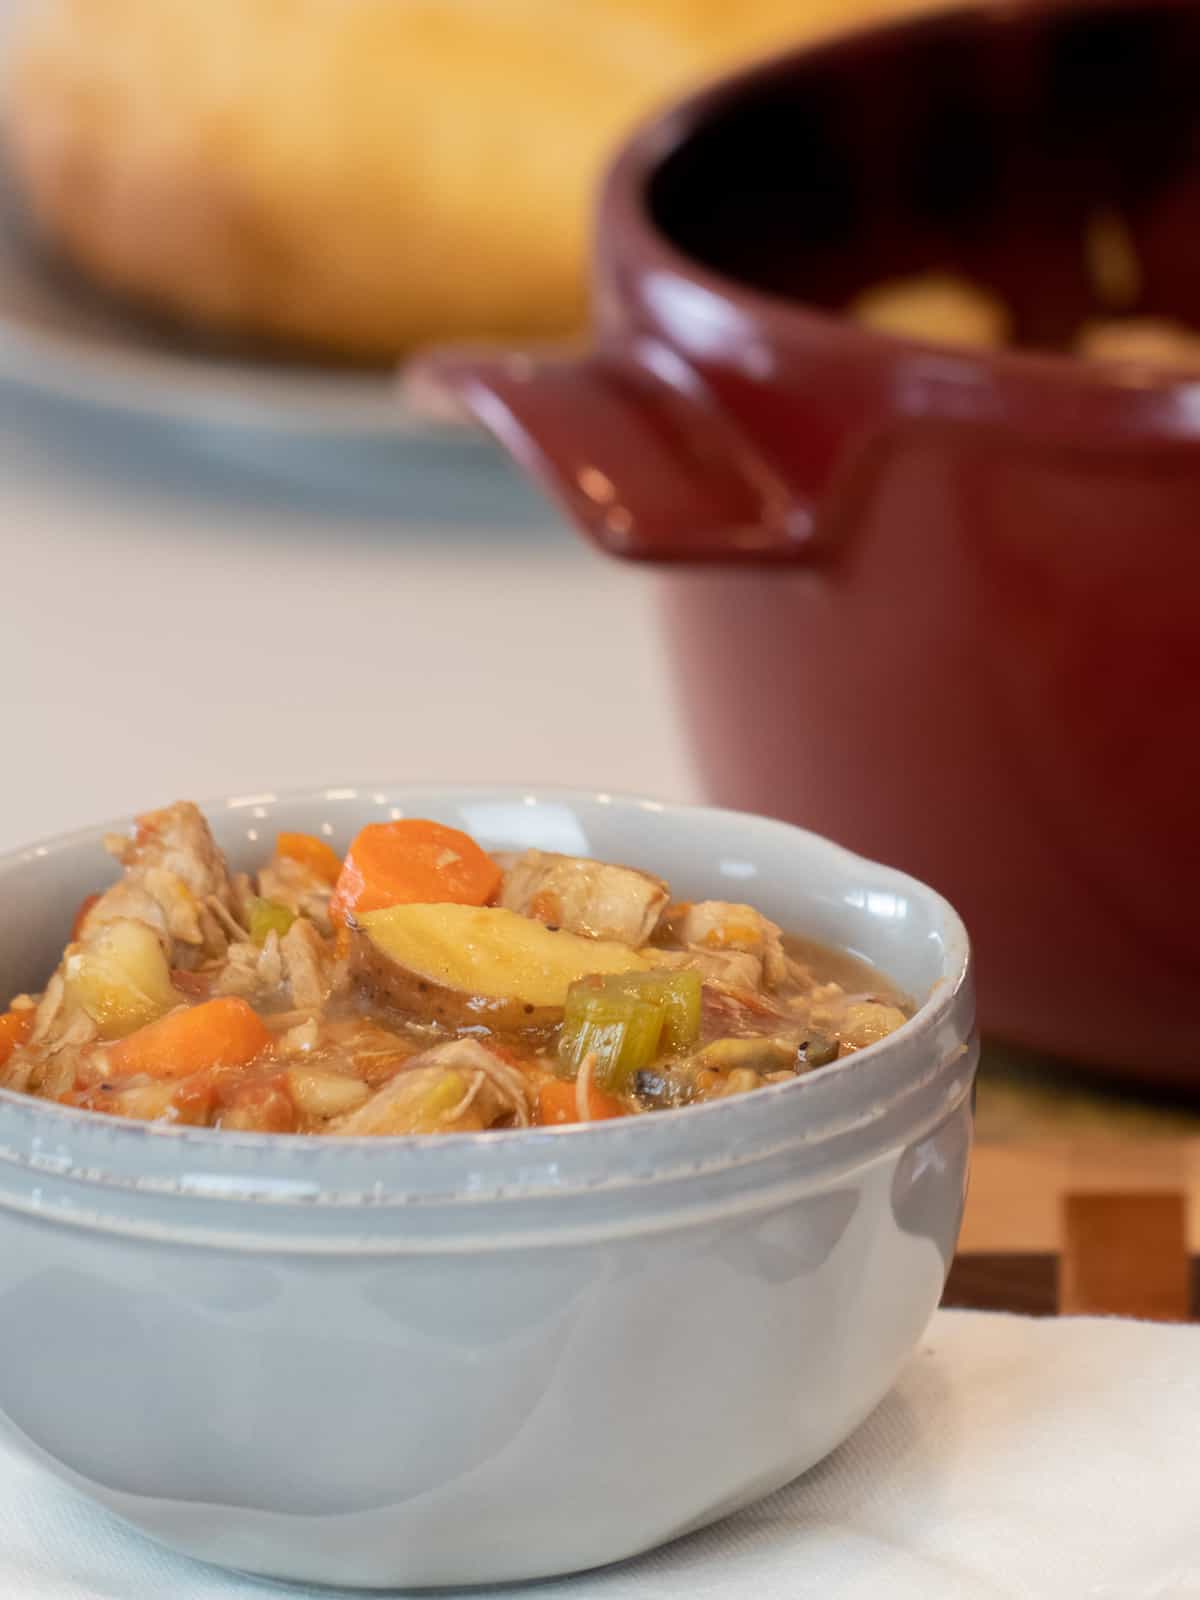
<point>353,177</point>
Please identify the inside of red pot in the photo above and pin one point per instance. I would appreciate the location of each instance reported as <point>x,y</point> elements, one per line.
<point>989,145</point>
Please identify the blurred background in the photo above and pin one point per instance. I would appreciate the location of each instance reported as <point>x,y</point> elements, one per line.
<point>238,554</point>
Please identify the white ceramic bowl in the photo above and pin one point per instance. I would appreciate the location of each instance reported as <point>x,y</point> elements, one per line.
<point>428,1361</point>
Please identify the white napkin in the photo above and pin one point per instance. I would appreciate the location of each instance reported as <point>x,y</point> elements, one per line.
<point>1014,1458</point>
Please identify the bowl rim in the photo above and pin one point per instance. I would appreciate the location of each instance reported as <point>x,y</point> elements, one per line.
<point>879,1072</point>
<point>624,209</point>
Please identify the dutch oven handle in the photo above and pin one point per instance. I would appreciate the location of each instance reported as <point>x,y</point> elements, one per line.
<point>650,469</point>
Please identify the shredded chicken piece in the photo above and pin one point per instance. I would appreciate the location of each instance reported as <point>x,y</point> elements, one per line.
<point>587,897</point>
<point>297,970</point>
<point>301,1038</point>
<point>178,840</point>
<point>798,975</point>
<point>510,1083</point>
<point>49,1008</point>
<point>306,965</point>
<point>251,969</point>
<point>54,1073</point>
<point>722,925</point>
<point>456,1113</point>
<point>495,1092</point>
<point>174,875</point>
<point>58,1026</point>
<point>738,969</point>
<point>46,1063</point>
<point>737,1013</point>
<point>232,928</point>
<point>291,883</point>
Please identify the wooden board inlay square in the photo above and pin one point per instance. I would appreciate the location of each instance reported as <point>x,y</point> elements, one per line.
<point>1125,1255</point>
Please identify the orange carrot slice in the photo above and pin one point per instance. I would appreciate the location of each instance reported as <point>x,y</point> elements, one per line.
<point>556,1104</point>
<point>413,862</point>
<point>15,1028</point>
<point>220,1033</point>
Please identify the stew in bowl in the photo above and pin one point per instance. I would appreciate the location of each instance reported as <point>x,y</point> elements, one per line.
<point>420,985</point>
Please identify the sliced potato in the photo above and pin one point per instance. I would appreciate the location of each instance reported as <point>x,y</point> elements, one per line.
<point>865,1022</point>
<point>325,1094</point>
<point>461,964</point>
<point>120,978</point>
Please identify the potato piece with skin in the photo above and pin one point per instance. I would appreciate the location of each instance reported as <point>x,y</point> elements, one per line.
<point>458,965</point>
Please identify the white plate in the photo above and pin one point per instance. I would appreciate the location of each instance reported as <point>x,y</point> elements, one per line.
<point>60,337</point>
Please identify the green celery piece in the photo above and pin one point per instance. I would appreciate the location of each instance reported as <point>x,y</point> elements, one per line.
<point>268,916</point>
<point>679,993</point>
<point>621,1029</point>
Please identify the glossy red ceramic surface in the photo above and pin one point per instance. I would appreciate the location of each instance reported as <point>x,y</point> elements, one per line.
<point>942,606</point>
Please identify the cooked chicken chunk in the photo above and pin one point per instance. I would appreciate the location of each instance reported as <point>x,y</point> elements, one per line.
<point>170,909</point>
<point>737,969</point>
<point>587,897</point>
<point>865,1022</point>
<point>457,1087</point>
<point>176,839</point>
<point>722,925</point>
<point>294,884</point>
<point>295,971</point>
<point>251,970</point>
<point>307,965</point>
<point>175,880</point>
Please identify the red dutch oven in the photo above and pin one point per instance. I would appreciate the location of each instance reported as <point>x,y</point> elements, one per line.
<point>941,605</point>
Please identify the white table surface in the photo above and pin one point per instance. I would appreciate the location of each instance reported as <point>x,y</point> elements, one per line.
<point>177,623</point>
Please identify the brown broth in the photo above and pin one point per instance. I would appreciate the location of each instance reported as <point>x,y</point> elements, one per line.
<point>831,965</point>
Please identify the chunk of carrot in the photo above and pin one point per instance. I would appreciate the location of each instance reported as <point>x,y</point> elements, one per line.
<point>413,862</point>
<point>220,1033</point>
<point>15,1028</point>
<point>556,1104</point>
<point>320,858</point>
